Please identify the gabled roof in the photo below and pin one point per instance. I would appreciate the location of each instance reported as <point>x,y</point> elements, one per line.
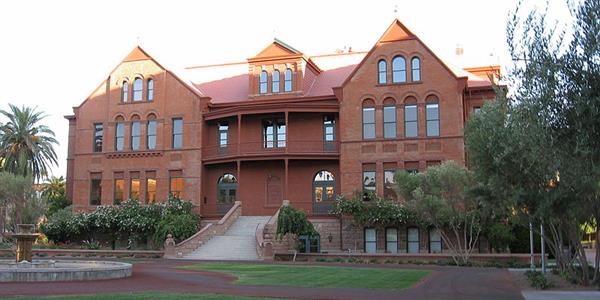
<point>276,49</point>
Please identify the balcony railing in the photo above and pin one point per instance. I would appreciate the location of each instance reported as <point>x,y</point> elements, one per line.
<point>271,148</point>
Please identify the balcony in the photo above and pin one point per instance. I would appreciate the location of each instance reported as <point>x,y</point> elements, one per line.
<point>261,150</point>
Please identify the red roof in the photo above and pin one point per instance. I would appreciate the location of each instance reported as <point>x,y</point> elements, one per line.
<point>228,83</point>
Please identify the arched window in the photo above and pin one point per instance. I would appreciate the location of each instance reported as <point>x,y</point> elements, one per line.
<point>287,77</point>
<point>432,115</point>
<point>399,69</point>
<point>275,85</point>
<point>151,132</point>
<point>416,69</point>
<point>136,133</point>
<point>323,192</point>
<point>138,85</point>
<point>119,134</point>
<point>368,119</point>
<point>411,124</point>
<point>389,119</point>
<point>382,70</point>
<point>150,89</point>
<point>125,91</point>
<point>226,192</point>
<point>262,86</point>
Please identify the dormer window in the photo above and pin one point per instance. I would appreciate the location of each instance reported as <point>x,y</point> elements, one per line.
<point>275,79</point>
<point>262,87</point>
<point>288,80</point>
<point>398,69</point>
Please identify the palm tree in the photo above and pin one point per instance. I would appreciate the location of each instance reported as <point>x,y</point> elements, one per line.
<point>26,147</point>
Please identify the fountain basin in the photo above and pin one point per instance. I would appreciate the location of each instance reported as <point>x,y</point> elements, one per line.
<point>62,270</point>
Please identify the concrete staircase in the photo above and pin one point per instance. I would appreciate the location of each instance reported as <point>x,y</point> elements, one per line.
<point>238,243</point>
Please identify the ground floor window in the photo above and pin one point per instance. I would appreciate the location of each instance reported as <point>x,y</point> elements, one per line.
<point>389,183</point>
<point>95,189</point>
<point>309,244</point>
<point>323,191</point>
<point>134,186</point>
<point>176,184</point>
<point>435,241</point>
<point>370,240</point>
<point>391,240</point>
<point>150,190</point>
<point>412,240</point>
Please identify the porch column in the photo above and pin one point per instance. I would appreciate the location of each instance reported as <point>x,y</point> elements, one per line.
<point>287,145</point>
<point>239,168</point>
<point>285,184</point>
<point>239,137</point>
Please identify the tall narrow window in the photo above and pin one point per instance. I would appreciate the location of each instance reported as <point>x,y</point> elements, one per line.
<point>223,134</point>
<point>369,184</point>
<point>138,86</point>
<point>399,69</point>
<point>416,69</point>
<point>368,116</point>
<point>274,133</point>
<point>410,120</point>
<point>150,89</point>
<point>435,241</point>
<point>119,191</point>
<point>176,184</point>
<point>120,136</point>
<point>388,185</point>
<point>329,133</point>
<point>134,186</point>
<point>135,135</point>
<point>382,70</point>
<point>389,121</point>
<point>275,85</point>
<point>98,136</point>
<point>125,91</point>
<point>370,240</point>
<point>287,80</point>
<point>432,113</point>
<point>412,240</point>
<point>262,86</point>
<point>177,133</point>
<point>151,131</point>
<point>150,189</point>
<point>95,188</point>
<point>391,240</point>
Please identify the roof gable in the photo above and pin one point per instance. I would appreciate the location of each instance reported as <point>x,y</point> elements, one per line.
<point>396,32</point>
<point>137,54</point>
<point>277,49</point>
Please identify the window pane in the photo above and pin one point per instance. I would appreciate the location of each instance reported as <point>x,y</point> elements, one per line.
<point>413,240</point>
<point>416,69</point>
<point>151,135</point>
<point>369,115</point>
<point>177,126</point>
<point>399,69</point>
<point>370,240</point>
<point>135,135</point>
<point>150,89</point>
<point>177,133</point>
<point>391,237</point>
<point>125,91</point>
<point>288,80</point>
<point>389,114</point>
<point>134,189</point>
<point>410,113</point>
<point>275,87</point>
<point>95,191</point>
<point>433,128</point>
<point>432,111</point>
<point>389,192</point>
<point>120,137</point>
<point>369,131</point>
<point>318,194</point>
<point>411,129</point>
<point>98,136</point>
<point>176,187</point>
<point>382,71</point>
<point>369,181</point>
<point>389,130</point>
<point>177,141</point>
<point>150,190</point>
<point>119,191</point>
<point>137,89</point>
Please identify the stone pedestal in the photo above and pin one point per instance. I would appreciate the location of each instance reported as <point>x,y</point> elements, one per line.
<point>25,238</point>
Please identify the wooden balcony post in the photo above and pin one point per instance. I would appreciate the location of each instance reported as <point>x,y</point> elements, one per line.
<point>239,134</point>
<point>285,184</point>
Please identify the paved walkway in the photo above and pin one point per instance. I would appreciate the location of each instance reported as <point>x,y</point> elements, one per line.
<point>443,283</point>
<point>560,295</point>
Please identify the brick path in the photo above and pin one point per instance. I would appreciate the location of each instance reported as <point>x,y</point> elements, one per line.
<point>161,275</point>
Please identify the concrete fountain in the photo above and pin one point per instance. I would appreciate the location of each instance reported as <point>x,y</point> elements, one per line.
<point>25,269</point>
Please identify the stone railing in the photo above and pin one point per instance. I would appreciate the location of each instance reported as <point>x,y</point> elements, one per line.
<point>173,250</point>
<point>266,243</point>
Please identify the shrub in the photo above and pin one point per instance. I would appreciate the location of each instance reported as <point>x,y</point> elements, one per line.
<point>180,226</point>
<point>293,221</point>
<point>537,280</point>
<point>499,235</point>
<point>59,226</point>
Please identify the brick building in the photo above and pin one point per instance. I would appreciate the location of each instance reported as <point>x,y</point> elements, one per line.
<point>281,125</point>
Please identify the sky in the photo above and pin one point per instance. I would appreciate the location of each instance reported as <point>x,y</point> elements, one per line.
<point>53,54</point>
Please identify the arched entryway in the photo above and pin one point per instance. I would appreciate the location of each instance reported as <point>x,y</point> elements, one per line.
<point>323,192</point>
<point>226,192</point>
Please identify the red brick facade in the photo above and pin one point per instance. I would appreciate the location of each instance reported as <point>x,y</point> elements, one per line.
<point>231,126</point>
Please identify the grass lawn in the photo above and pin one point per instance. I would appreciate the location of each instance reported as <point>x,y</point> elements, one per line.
<point>143,296</point>
<point>316,276</point>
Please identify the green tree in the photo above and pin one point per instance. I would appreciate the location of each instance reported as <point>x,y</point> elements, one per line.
<point>26,147</point>
<point>55,194</point>
<point>537,151</point>
<point>14,190</point>
<point>439,198</point>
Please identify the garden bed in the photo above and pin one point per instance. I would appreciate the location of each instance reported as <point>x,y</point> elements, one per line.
<point>491,260</point>
<point>88,253</point>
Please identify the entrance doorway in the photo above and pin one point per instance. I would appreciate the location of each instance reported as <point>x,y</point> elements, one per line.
<point>323,192</point>
<point>226,192</point>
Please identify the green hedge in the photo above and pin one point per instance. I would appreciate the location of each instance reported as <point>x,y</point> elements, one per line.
<point>130,220</point>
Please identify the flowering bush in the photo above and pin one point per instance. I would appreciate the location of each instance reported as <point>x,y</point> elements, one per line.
<point>130,219</point>
<point>374,211</point>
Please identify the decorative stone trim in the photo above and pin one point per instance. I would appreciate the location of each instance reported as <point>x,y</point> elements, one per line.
<point>135,154</point>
